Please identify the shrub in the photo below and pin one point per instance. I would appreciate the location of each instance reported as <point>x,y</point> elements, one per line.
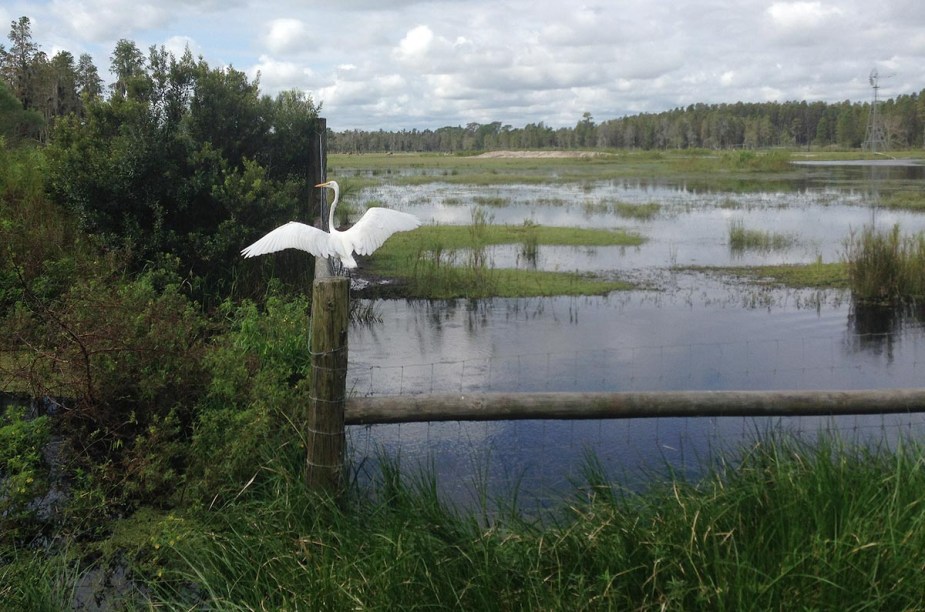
<point>121,359</point>
<point>252,407</point>
<point>22,477</point>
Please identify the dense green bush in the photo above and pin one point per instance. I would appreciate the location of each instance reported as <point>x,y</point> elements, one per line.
<point>187,161</point>
<point>256,396</point>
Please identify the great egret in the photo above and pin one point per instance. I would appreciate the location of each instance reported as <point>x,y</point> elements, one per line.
<point>366,235</point>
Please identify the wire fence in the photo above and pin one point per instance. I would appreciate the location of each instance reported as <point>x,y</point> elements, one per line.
<point>867,361</point>
<point>541,460</point>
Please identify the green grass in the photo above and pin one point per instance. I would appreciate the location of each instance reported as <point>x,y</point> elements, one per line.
<point>886,267</point>
<point>460,237</point>
<point>641,212</point>
<point>450,261</point>
<point>735,169</point>
<point>817,275</point>
<point>743,239</point>
<point>786,525</point>
<point>912,200</point>
<point>794,526</point>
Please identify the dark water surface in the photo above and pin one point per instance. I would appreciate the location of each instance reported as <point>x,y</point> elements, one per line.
<point>694,333</point>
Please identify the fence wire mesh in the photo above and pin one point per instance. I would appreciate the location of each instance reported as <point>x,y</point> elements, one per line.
<point>539,460</point>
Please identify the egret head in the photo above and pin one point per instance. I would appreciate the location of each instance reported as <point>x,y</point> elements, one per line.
<point>333,186</point>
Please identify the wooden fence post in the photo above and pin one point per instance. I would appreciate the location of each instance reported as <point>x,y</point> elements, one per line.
<point>326,438</point>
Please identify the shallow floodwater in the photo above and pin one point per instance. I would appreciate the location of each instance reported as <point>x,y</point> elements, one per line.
<point>694,333</point>
<point>692,224</point>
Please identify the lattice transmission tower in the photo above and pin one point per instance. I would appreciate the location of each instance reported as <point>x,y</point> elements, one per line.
<point>875,137</point>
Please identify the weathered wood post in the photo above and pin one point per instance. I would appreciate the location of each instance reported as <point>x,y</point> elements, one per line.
<point>326,438</point>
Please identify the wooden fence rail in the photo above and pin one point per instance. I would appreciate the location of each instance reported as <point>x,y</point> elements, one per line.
<point>620,405</point>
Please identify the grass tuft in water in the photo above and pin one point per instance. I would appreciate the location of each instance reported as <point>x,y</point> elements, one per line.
<point>640,212</point>
<point>530,245</point>
<point>885,267</point>
<point>742,239</point>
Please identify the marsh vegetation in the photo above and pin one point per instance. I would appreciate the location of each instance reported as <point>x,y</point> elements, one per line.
<point>177,465</point>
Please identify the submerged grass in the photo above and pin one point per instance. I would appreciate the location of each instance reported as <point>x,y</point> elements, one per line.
<point>786,524</point>
<point>905,200</point>
<point>641,212</point>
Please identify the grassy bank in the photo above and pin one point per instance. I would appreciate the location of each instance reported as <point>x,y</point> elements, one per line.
<point>791,525</point>
<point>733,167</point>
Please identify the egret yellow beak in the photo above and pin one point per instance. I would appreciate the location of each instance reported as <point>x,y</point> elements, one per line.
<point>323,184</point>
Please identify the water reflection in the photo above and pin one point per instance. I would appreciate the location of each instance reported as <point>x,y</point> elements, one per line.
<point>690,228</point>
<point>694,333</point>
<point>702,337</point>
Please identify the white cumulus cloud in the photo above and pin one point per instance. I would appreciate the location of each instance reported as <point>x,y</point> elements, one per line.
<point>287,36</point>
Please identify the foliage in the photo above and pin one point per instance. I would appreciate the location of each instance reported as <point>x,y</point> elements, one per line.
<point>122,360</point>
<point>251,408</point>
<point>16,123</point>
<point>44,88</point>
<point>885,267</point>
<point>21,474</point>
<point>40,248</point>
<point>787,524</point>
<point>183,160</point>
<point>697,126</point>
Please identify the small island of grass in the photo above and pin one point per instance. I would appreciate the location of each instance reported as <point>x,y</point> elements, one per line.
<point>450,261</point>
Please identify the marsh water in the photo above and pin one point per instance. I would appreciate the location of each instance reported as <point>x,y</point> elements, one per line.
<point>688,329</point>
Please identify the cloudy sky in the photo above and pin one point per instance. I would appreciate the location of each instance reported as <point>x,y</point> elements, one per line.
<point>402,64</point>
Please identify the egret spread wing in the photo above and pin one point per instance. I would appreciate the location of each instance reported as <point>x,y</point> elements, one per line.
<point>293,235</point>
<point>375,226</point>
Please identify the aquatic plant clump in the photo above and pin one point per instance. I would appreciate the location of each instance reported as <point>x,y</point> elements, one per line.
<point>885,267</point>
<point>743,239</point>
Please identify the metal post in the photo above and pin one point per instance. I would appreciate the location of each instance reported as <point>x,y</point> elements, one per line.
<point>319,202</point>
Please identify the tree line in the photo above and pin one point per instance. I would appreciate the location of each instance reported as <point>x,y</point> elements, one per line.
<point>47,88</point>
<point>840,125</point>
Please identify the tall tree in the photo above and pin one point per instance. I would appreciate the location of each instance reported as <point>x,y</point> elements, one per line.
<point>88,81</point>
<point>19,61</point>
<point>128,66</point>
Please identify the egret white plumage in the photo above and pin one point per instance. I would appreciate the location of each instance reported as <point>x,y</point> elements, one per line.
<point>364,237</point>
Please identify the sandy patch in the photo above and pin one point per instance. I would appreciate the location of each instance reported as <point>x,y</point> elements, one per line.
<point>539,154</point>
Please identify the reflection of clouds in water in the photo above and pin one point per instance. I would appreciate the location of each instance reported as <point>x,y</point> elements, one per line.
<point>701,334</point>
<point>692,226</point>
<point>627,342</point>
<point>634,342</point>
